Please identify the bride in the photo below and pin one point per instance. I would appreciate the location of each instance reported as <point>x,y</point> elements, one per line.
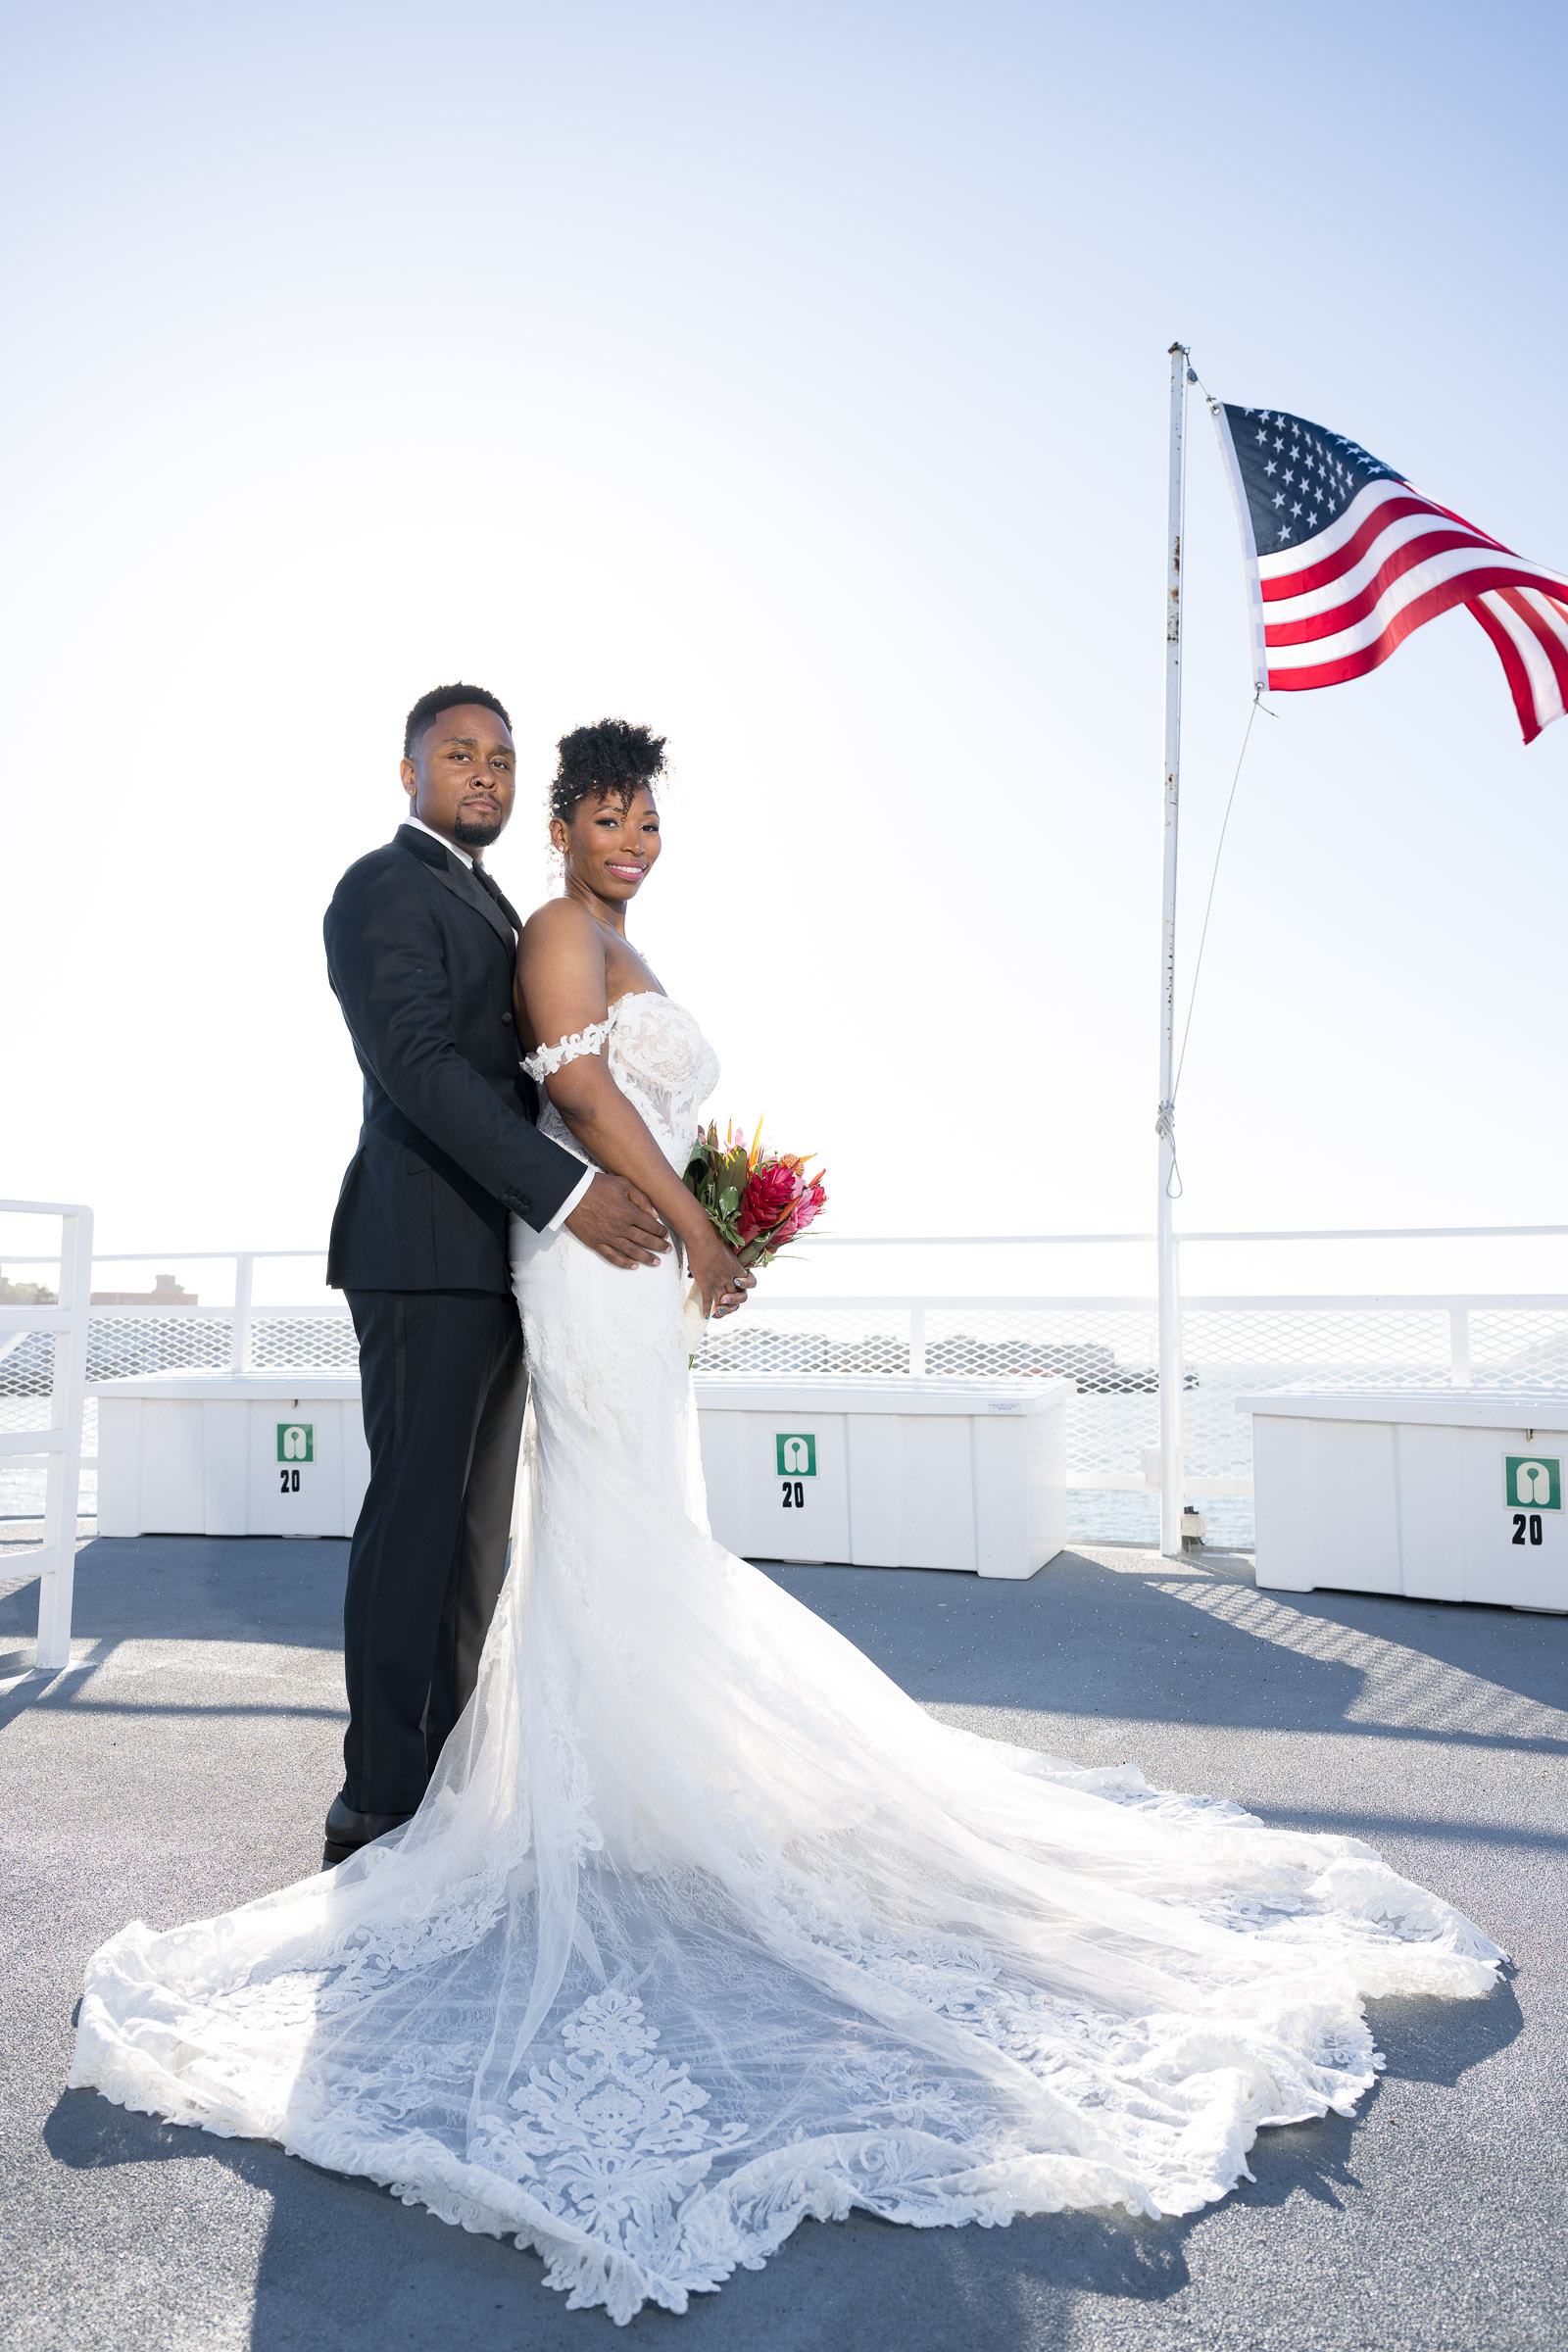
<point>705,1925</point>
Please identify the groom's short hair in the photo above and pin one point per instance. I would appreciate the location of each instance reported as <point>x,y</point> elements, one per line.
<point>447,698</point>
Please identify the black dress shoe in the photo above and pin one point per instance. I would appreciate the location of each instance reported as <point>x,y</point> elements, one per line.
<point>347,1831</point>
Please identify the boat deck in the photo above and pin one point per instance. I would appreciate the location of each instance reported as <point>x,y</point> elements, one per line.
<point>183,1763</point>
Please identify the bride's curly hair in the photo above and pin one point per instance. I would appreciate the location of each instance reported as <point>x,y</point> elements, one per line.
<point>608,760</point>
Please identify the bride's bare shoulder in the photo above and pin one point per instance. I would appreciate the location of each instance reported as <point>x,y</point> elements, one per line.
<point>561,926</point>
<point>560,979</point>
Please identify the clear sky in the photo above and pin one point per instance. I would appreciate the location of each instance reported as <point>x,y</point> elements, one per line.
<point>793,380</point>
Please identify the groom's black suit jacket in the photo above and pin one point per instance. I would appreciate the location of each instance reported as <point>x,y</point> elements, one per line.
<point>420,960</point>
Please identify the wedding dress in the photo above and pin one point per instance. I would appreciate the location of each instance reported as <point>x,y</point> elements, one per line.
<point>704,1926</point>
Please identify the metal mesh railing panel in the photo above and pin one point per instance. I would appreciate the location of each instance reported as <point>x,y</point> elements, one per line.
<point>1238,1352</point>
<point>26,1368</point>
<point>304,1343</point>
<point>1519,1347</point>
<point>1111,1353</point>
<point>129,1346</point>
<point>798,1344</point>
<point>25,1412</point>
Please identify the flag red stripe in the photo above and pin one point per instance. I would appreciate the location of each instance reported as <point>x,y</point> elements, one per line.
<point>1402,559</point>
<point>1547,637</point>
<point>1344,559</point>
<point>1513,670</point>
<point>1411,617</point>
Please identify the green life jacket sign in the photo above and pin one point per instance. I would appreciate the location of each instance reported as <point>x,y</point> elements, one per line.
<point>1533,1482</point>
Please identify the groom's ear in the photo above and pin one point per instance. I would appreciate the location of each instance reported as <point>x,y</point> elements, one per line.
<point>409,775</point>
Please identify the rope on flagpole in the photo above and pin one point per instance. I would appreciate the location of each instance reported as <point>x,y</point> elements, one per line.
<point>1259,704</point>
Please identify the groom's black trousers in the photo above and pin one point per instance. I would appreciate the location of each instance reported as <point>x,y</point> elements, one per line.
<point>444,1383</point>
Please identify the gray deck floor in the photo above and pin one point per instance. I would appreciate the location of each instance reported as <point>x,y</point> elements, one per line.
<point>184,1765</point>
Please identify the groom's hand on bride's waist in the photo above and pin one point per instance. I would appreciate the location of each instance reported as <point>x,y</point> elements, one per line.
<point>618,1221</point>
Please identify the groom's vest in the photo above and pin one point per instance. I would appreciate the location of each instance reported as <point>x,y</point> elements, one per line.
<point>420,960</point>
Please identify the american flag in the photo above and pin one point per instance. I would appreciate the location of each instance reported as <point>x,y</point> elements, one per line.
<point>1346,558</point>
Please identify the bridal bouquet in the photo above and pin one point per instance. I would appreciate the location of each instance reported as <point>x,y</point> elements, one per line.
<point>759,1200</point>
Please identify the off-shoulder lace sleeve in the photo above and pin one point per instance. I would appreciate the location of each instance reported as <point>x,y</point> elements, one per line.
<point>549,1058</point>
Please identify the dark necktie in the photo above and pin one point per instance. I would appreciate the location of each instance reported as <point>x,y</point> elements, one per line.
<point>495,891</point>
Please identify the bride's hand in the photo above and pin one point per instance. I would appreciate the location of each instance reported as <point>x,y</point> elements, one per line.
<point>721,1280</point>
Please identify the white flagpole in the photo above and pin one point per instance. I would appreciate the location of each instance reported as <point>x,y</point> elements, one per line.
<point>1171,1498</point>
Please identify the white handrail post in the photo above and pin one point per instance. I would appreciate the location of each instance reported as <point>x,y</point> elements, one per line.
<point>917,1339</point>
<point>1170,1306</point>
<point>1459,1347</point>
<point>239,1346</point>
<point>57,1563</point>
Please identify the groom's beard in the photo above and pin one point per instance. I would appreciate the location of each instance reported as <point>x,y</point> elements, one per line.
<point>476,833</point>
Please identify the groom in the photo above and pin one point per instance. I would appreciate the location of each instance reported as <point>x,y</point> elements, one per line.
<point>420,949</point>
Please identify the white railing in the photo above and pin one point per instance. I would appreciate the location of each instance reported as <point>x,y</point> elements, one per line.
<point>1236,1341</point>
<point>236,1317</point>
<point>60,1440</point>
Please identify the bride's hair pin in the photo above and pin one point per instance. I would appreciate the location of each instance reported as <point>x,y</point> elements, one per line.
<point>608,760</point>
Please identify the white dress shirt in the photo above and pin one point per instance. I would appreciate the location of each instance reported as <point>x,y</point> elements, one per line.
<point>577,1190</point>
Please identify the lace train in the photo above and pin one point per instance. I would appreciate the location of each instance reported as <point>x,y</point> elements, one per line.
<point>705,1925</point>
